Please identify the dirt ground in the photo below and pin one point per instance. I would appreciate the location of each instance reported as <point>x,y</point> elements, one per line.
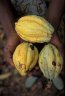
<point>12,84</point>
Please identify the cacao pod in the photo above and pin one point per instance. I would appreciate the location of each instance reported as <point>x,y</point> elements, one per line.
<point>34,28</point>
<point>50,61</point>
<point>25,57</point>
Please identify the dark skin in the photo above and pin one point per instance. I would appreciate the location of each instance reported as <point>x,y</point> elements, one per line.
<point>54,15</point>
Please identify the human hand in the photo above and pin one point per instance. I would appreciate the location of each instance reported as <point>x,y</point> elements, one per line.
<point>11,43</point>
<point>55,40</point>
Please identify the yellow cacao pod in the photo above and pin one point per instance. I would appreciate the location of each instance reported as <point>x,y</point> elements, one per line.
<point>50,61</point>
<point>25,57</point>
<point>34,28</point>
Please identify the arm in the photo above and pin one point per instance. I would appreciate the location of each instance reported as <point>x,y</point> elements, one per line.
<point>6,19</point>
<point>55,12</point>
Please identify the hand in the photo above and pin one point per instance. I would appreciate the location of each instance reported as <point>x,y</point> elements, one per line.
<point>55,40</point>
<point>11,43</point>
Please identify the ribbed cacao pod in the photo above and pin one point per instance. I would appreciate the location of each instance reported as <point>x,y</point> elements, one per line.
<point>50,61</point>
<point>25,57</point>
<point>34,28</point>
